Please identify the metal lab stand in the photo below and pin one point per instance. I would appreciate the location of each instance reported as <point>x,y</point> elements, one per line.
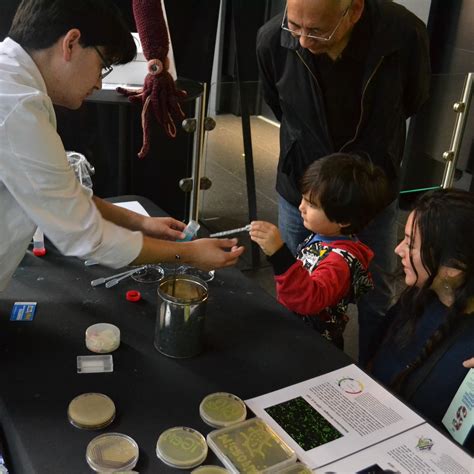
<point>198,125</point>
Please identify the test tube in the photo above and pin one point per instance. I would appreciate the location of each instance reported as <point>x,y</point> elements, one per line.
<point>38,243</point>
<point>190,231</point>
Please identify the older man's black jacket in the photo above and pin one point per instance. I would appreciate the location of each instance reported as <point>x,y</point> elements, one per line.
<point>395,85</point>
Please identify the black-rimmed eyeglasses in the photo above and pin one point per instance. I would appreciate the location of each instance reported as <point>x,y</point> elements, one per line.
<point>296,32</point>
<point>106,68</point>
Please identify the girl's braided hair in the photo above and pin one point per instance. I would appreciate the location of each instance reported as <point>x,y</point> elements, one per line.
<point>444,219</point>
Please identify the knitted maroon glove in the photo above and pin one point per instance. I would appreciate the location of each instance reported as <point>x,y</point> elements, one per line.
<point>159,93</point>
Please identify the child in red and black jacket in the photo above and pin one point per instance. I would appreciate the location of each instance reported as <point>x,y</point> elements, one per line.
<point>340,195</point>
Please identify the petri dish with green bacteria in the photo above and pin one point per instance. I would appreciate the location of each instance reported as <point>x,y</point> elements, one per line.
<point>181,447</point>
<point>222,409</point>
<point>251,447</point>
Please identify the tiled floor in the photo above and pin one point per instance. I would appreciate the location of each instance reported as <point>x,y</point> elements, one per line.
<point>224,206</point>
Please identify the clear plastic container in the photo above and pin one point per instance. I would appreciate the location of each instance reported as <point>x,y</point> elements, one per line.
<point>251,446</point>
<point>222,409</point>
<point>190,231</point>
<point>112,452</point>
<point>297,468</point>
<point>39,249</point>
<point>102,338</point>
<point>82,168</point>
<point>181,447</point>
<point>94,364</point>
<point>91,411</point>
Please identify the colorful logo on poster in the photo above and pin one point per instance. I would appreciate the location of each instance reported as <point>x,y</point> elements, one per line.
<point>351,386</point>
<point>424,444</point>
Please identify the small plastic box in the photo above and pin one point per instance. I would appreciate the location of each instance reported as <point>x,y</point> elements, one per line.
<point>95,364</point>
<point>251,446</point>
<point>190,231</point>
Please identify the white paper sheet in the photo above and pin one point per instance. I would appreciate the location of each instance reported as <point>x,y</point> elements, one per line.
<point>133,206</point>
<point>334,415</point>
<point>421,450</point>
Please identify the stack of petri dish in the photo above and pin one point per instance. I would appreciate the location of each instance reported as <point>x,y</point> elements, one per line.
<point>222,409</point>
<point>181,447</point>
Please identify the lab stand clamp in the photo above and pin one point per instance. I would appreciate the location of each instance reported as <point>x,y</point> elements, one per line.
<point>198,126</point>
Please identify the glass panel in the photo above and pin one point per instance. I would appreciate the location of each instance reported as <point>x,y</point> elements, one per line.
<point>225,205</point>
<point>430,135</point>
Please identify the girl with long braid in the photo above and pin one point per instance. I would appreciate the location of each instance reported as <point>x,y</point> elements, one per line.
<point>431,327</point>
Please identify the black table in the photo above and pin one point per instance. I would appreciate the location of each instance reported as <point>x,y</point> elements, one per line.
<point>253,346</point>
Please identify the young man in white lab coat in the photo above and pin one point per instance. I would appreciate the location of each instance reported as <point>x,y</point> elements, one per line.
<point>57,52</point>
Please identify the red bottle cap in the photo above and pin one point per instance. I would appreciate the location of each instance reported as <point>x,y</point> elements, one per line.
<point>39,252</point>
<point>133,295</point>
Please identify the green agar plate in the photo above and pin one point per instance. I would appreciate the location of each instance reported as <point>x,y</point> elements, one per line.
<point>181,447</point>
<point>112,452</point>
<point>251,446</point>
<point>209,470</point>
<point>222,409</point>
<point>297,468</point>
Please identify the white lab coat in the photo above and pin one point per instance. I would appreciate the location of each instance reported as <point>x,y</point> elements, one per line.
<point>37,185</point>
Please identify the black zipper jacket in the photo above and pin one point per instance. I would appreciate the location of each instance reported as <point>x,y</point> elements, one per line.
<point>395,85</point>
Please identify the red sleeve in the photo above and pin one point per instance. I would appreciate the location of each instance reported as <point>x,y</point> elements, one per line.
<point>306,293</point>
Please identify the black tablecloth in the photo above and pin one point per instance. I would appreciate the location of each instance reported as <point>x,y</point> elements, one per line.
<point>253,346</point>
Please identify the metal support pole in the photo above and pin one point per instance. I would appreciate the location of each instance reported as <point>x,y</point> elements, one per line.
<point>198,153</point>
<point>246,130</point>
<point>462,109</point>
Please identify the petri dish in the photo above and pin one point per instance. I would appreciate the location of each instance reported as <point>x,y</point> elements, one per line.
<point>222,409</point>
<point>209,469</point>
<point>150,274</point>
<point>181,447</point>
<point>102,338</point>
<point>112,452</point>
<point>91,411</point>
<point>251,446</point>
<point>202,274</point>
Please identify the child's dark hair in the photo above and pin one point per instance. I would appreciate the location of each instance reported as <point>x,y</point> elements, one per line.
<point>38,24</point>
<point>350,189</point>
<point>444,221</point>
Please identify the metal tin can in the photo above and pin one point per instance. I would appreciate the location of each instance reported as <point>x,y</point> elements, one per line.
<point>179,329</point>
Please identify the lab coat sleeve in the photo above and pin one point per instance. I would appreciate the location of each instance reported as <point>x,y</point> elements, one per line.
<point>44,185</point>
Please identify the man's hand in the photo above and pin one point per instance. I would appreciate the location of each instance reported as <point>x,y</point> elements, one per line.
<point>267,236</point>
<point>165,228</point>
<point>469,363</point>
<point>209,254</point>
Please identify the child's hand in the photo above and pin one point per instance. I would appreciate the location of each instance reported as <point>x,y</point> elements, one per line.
<point>267,236</point>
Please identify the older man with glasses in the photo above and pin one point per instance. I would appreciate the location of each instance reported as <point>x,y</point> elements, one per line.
<point>343,76</point>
